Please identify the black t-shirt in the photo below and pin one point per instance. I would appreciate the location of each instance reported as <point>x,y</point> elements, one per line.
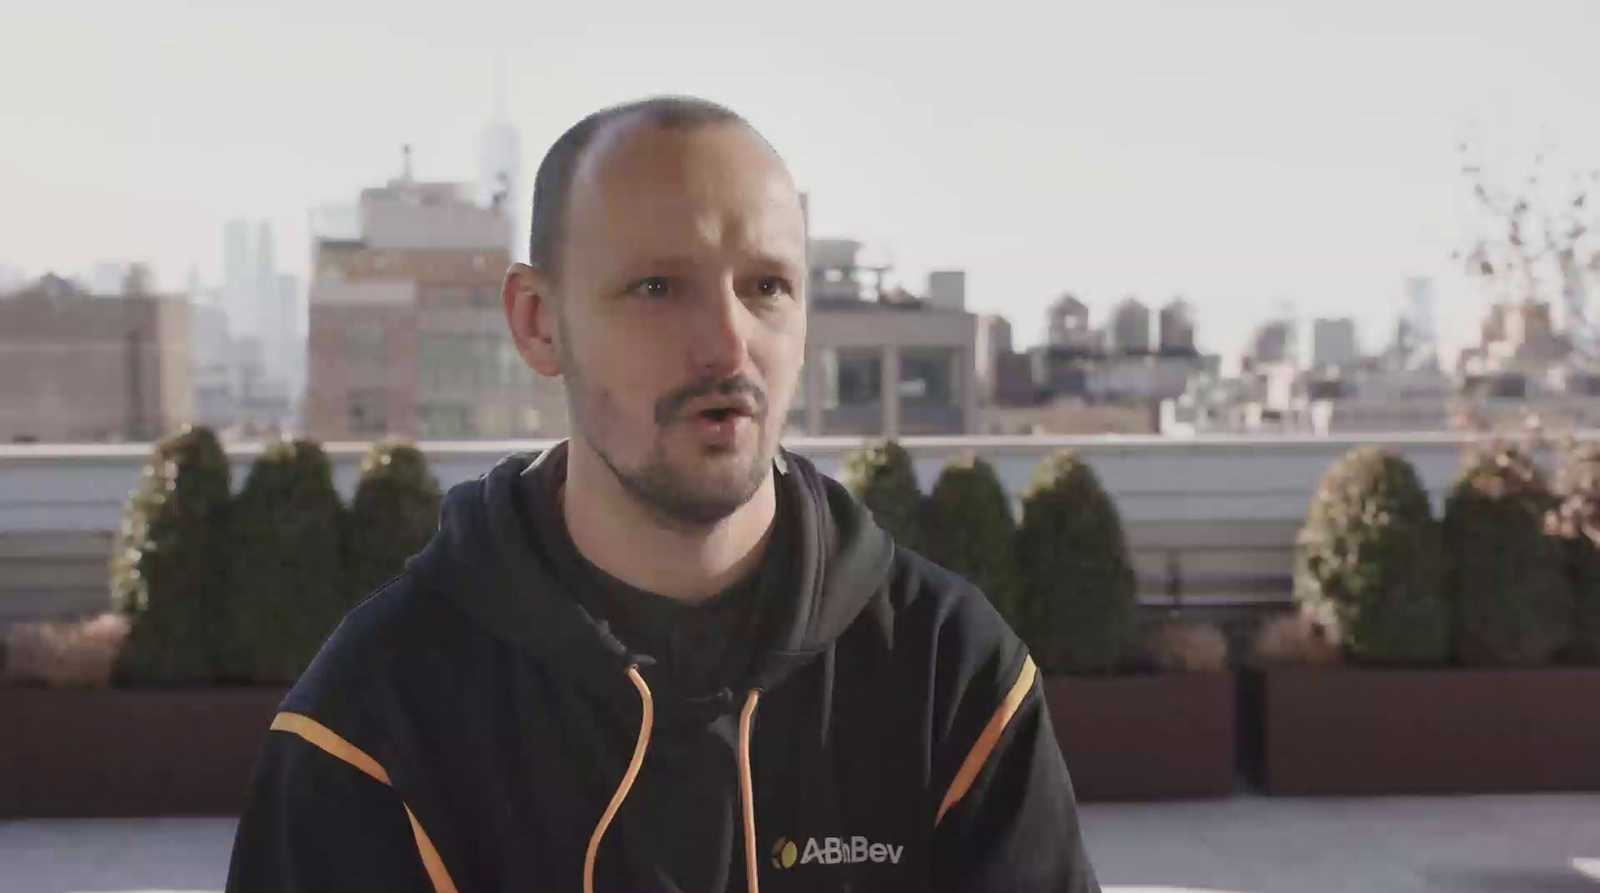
<point>702,647</point>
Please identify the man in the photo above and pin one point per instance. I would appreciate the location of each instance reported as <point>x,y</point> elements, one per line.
<point>666,654</point>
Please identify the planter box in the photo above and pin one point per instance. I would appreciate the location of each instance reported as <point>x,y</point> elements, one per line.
<point>1146,737</point>
<point>1446,730</point>
<point>133,752</point>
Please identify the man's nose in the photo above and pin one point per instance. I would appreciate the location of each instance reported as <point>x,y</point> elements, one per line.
<point>720,332</point>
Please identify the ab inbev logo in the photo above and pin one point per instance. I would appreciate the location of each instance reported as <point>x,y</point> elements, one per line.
<point>833,851</point>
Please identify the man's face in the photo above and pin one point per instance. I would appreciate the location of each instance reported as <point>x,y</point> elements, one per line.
<point>681,312</point>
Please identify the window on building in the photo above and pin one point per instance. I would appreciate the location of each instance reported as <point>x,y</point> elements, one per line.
<point>926,377</point>
<point>855,378</point>
<point>1325,389</point>
<point>1510,385</point>
<point>443,361</point>
<point>365,344</point>
<point>446,421</point>
<point>367,412</point>
<point>494,420</point>
<point>528,423</point>
<point>512,371</point>
<point>470,361</point>
<point>431,358</point>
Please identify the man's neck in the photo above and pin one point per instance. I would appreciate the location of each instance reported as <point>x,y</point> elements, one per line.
<point>627,540</point>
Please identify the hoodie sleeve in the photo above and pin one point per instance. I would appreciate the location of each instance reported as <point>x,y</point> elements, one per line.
<point>316,821</point>
<point>1008,821</point>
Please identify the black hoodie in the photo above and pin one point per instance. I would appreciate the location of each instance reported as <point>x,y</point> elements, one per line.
<point>475,726</point>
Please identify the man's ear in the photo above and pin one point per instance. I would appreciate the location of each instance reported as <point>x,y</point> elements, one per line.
<point>531,313</point>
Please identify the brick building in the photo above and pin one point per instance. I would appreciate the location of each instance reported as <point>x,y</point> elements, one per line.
<point>75,366</point>
<point>407,334</point>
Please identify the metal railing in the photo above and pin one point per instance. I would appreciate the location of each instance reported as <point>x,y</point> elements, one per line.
<point>1222,511</point>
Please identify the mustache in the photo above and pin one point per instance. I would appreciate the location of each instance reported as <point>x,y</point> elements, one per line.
<point>670,407</point>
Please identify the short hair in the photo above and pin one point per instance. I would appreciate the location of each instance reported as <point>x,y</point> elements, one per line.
<point>553,183</point>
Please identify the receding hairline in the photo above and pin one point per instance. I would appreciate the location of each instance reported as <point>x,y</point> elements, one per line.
<point>559,169</point>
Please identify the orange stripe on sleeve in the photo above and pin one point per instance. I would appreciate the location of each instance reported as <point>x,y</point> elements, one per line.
<point>326,739</point>
<point>987,741</point>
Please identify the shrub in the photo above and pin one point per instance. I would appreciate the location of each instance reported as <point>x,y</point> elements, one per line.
<point>1188,647</point>
<point>1078,606</point>
<point>394,513</point>
<point>1294,640</point>
<point>1369,562</point>
<point>69,654</point>
<point>285,576</point>
<point>970,531</point>
<point>1579,525</point>
<point>882,476</point>
<point>1511,602</point>
<point>168,564</point>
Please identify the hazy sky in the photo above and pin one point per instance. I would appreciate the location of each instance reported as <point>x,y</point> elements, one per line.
<point>1244,155</point>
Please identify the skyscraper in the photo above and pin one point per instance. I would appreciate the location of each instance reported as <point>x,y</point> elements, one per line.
<point>500,170</point>
<point>239,278</point>
<point>1418,339</point>
<point>1333,343</point>
<point>500,165</point>
<point>261,303</point>
<point>281,332</point>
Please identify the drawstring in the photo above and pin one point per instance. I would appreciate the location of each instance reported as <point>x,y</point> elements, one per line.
<point>746,788</point>
<point>627,777</point>
<point>746,791</point>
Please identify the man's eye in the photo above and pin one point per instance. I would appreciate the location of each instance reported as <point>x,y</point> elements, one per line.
<point>652,287</point>
<point>773,287</point>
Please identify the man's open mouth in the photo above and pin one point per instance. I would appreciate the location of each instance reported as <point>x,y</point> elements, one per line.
<point>727,410</point>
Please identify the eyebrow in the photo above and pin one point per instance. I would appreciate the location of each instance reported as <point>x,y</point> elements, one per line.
<point>684,263</point>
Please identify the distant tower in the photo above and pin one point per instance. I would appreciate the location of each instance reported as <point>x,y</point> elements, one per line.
<point>500,163</point>
<point>264,265</point>
<point>1419,333</point>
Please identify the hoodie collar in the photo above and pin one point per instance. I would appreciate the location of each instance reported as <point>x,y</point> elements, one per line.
<point>489,559</point>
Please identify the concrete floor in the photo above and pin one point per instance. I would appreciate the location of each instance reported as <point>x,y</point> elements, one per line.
<point>1542,844</point>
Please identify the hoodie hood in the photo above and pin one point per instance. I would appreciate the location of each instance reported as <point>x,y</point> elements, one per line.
<point>489,560</point>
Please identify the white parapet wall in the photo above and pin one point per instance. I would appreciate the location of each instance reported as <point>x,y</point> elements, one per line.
<point>1217,515</point>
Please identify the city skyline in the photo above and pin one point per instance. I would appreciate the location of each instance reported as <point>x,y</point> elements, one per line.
<point>1241,157</point>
